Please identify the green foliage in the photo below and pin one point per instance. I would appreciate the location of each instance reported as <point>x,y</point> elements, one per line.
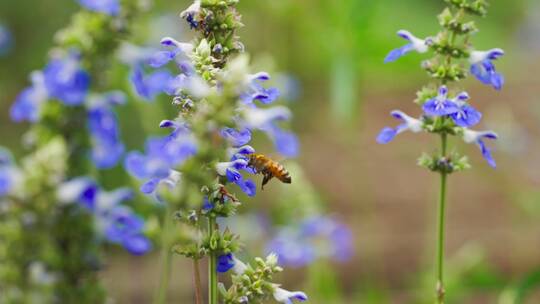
<point>254,284</point>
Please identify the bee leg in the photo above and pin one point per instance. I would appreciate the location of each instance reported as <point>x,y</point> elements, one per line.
<point>267,177</point>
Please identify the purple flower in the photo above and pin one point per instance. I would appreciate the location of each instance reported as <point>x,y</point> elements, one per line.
<point>228,261</point>
<point>149,86</point>
<point>125,228</point>
<point>107,147</point>
<point>236,138</point>
<point>225,263</point>
<point>9,174</point>
<point>466,116</point>
<point>415,44</point>
<point>240,152</point>
<point>231,170</point>
<point>81,190</point>
<point>440,105</point>
<point>191,14</point>
<point>316,237</point>
<point>387,134</point>
<point>255,90</point>
<point>286,142</point>
<point>109,7</point>
<point>162,155</point>
<point>470,136</point>
<point>293,250</point>
<point>483,69</point>
<point>27,106</point>
<point>286,297</point>
<point>163,57</point>
<point>66,80</point>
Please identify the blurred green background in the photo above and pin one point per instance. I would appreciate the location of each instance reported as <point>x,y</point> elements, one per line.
<point>334,50</point>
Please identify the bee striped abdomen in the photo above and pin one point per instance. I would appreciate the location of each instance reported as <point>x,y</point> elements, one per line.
<point>280,172</point>
<point>269,168</point>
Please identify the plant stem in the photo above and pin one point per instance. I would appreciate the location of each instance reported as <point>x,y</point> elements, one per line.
<point>212,268</point>
<point>197,281</point>
<point>166,259</point>
<point>442,207</point>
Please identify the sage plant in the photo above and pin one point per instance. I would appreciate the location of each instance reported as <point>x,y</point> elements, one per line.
<point>447,109</point>
<point>197,169</point>
<point>54,215</point>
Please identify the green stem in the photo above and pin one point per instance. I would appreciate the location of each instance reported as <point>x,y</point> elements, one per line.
<point>166,259</point>
<point>212,268</point>
<point>440,249</point>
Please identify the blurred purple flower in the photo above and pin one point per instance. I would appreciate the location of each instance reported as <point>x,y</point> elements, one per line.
<point>107,148</point>
<point>316,237</point>
<point>109,7</point>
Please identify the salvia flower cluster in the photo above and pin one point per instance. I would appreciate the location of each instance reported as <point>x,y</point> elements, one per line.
<point>448,110</point>
<point>206,154</point>
<point>114,221</point>
<point>65,80</point>
<point>73,129</point>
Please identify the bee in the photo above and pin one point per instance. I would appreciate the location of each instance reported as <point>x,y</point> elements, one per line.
<point>268,168</point>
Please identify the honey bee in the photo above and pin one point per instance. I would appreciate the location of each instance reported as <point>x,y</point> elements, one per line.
<point>268,168</point>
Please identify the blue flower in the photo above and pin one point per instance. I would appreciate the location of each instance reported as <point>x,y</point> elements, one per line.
<point>117,223</point>
<point>6,41</point>
<point>293,250</point>
<point>161,58</point>
<point>483,69</point>
<point>286,142</point>
<point>337,234</point>
<point>266,120</point>
<point>235,153</point>
<point>27,106</point>
<point>231,171</point>
<point>255,90</point>
<point>470,136</point>
<point>66,80</point>
<point>316,237</point>
<point>415,44</point>
<point>228,261</point>
<point>9,174</point>
<point>260,119</point>
<point>387,134</point>
<point>191,14</point>
<point>440,105</point>
<point>81,190</point>
<point>149,86</point>
<point>225,263</point>
<point>466,116</point>
<point>286,297</point>
<point>162,155</point>
<point>236,138</point>
<point>107,147</point>
<point>125,228</point>
<point>109,7</point>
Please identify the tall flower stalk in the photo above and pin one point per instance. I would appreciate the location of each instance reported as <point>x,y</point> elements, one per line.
<point>446,108</point>
<point>54,254</point>
<point>199,166</point>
